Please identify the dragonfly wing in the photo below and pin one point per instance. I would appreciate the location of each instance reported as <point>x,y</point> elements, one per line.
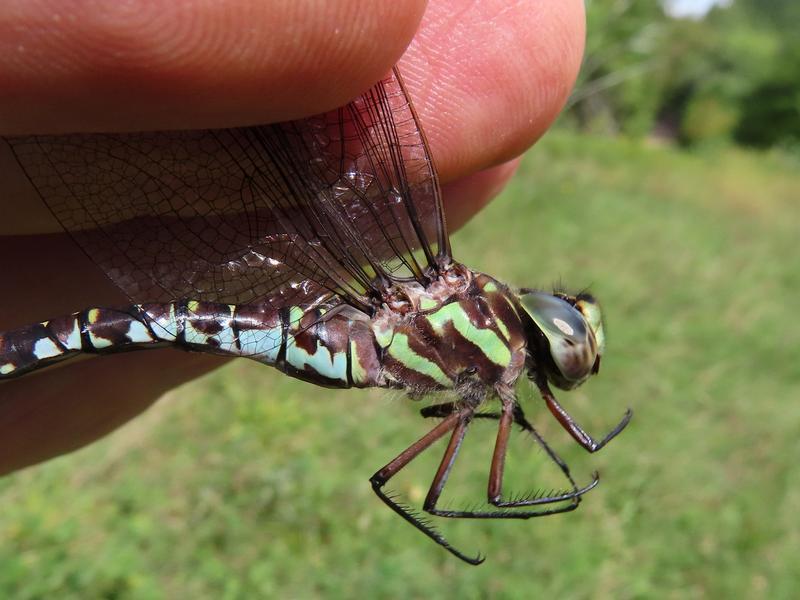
<point>342,203</point>
<point>392,196</point>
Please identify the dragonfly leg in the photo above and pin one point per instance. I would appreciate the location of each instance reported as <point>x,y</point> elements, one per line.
<point>525,425</point>
<point>569,424</point>
<point>456,420</point>
<point>446,408</point>
<point>509,414</point>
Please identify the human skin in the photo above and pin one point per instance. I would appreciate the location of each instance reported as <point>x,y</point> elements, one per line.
<point>487,79</point>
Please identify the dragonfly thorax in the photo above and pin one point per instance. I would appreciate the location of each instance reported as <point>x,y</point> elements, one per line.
<point>464,325</point>
<point>412,296</point>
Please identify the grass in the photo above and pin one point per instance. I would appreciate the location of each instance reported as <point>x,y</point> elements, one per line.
<point>248,484</point>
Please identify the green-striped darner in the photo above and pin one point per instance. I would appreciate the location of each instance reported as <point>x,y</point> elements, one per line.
<point>319,247</point>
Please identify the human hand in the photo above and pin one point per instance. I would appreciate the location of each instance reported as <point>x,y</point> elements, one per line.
<point>486,79</point>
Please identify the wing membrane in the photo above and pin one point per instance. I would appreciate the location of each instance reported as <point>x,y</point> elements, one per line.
<point>342,203</point>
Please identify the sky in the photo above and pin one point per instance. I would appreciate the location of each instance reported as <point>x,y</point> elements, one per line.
<point>692,8</point>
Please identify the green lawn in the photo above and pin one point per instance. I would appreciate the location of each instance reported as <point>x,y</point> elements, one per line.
<point>248,484</point>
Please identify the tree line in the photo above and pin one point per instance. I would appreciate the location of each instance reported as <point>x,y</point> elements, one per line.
<point>733,75</point>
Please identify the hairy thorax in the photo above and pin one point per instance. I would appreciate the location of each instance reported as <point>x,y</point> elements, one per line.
<point>463,329</point>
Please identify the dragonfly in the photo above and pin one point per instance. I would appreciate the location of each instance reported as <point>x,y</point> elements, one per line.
<point>319,247</point>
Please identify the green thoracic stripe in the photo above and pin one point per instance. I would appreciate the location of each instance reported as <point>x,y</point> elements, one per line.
<point>503,328</point>
<point>383,335</point>
<point>426,303</point>
<point>501,325</point>
<point>487,340</point>
<point>357,370</point>
<point>415,362</point>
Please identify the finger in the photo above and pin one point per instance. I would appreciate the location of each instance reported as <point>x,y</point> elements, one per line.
<point>466,196</point>
<point>163,64</point>
<point>485,84</point>
<point>498,67</point>
<point>61,409</point>
<point>488,78</point>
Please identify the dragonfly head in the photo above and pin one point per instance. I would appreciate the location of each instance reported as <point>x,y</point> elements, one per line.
<point>565,338</point>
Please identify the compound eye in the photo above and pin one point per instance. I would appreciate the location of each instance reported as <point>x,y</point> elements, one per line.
<point>572,344</point>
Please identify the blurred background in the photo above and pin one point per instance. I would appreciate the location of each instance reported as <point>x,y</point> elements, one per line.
<point>670,187</point>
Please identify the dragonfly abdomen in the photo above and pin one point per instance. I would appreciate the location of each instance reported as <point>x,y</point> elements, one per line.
<point>91,331</point>
<point>337,352</point>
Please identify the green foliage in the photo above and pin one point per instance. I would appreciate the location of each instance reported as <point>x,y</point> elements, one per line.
<point>708,119</point>
<point>620,84</point>
<point>781,15</point>
<point>732,72</point>
<point>247,484</point>
<point>772,110</point>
